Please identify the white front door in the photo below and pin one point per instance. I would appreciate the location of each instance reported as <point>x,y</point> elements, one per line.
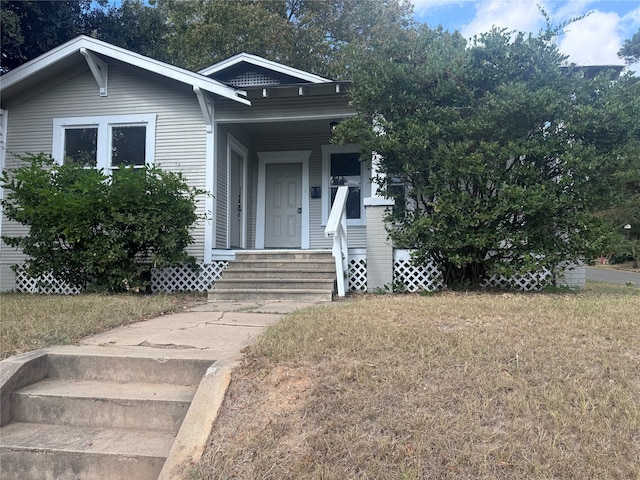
<point>283,205</point>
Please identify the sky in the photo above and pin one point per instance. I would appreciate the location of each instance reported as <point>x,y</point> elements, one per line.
<point>593,40</point>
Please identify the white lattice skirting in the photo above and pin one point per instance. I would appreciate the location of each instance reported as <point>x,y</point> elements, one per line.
<point>166,280</point>
<point>45,284</point>
<point>185,279</point>
<point>413,278</point>
<point>357,273</point>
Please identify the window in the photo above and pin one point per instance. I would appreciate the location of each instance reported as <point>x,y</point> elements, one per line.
<point>81,146</point>
<point>105,142</point>
<point>341,166</point>
<point>346,170</point>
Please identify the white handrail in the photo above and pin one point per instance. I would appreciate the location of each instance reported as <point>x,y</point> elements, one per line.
<point>337,228</point>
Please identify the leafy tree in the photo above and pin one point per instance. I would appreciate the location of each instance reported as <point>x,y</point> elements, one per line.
<point>135,25</point>
<point>306,34</point>
<point>487,146</point>
<point>630,50</point>
<point>97,232</point>
<point>31,28</point>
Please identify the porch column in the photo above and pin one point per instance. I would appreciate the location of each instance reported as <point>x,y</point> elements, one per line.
<point>379,246</point>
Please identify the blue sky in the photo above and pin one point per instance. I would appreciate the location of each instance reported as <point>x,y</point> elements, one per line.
<point>594,40</point>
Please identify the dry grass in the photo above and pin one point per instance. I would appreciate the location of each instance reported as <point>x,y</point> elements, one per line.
<point>454,385</point>
<point>29,322</point>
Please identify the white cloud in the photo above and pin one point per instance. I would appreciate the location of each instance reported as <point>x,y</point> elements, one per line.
<point>521,15</point>
<point>594,40</point>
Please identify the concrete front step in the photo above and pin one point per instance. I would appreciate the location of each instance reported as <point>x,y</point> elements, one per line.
<point>59,452</point>
<point>298,295</point>
<point>257,255</point>
<point>253,272</point>
<point>265,283</point>
<point>148,406</point>
<point>299,275</point>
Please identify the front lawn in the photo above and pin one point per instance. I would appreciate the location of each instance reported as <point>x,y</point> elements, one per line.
<point>29,322</point>
<point>451,385</point>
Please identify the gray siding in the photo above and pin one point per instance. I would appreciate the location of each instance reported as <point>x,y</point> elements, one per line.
<point>180,130</point>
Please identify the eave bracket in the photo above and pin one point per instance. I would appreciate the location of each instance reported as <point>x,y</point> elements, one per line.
<point>99,68</point>
<point>207,105</point>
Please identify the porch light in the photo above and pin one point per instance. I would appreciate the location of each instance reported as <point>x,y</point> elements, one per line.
<point>332,127</point>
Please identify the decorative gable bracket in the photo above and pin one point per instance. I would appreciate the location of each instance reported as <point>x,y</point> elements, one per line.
<point>99,69</point>
<point>207,106</point>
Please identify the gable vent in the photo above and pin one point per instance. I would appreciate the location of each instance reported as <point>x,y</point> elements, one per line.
<point>251,79</point>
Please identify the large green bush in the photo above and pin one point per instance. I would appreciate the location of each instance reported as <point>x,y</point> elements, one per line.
<point>95,231</point>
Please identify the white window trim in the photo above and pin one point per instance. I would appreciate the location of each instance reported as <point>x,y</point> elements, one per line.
<point>104,124</point>
<point>365,174</point>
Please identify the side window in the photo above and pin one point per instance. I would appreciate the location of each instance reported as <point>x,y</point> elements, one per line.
<point>128,146</point>
<point>81,146</point>
<point>346,170</point>
<point>107,143</point>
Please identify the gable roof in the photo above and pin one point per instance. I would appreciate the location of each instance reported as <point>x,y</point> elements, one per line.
<point>42,68</point>
<point>243,62</point>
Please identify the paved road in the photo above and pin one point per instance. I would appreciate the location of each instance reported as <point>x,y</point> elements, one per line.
<point>610,275</point>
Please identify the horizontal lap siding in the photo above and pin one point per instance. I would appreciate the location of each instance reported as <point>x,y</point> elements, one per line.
<point>180,130</point>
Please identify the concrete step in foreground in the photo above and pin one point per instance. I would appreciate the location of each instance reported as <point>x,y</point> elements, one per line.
<point>99,413</point>
<point>61,452</point>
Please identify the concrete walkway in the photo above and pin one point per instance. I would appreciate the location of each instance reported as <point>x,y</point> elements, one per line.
<point>224,328</point>
<point>139,356</point>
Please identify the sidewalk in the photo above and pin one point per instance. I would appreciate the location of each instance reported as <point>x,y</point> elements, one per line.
<point>222,328</point>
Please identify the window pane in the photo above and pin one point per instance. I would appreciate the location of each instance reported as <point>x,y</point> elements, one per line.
<point>353,201</point>
<point>128,146</point>
<point>345,170</point>
<point>345,164</point>
<point>80,146</point>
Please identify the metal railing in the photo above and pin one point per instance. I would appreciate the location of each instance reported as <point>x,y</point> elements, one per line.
<point>337,228</point>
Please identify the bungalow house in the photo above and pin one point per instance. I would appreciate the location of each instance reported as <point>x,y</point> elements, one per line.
<point>252,132</point>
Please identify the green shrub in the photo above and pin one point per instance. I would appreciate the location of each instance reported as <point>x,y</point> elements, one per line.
<point>95,231</point>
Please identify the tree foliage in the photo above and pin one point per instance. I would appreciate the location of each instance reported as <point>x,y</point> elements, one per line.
<point>630,50</point>
<point>31,28</point>
<point>307,34</point>
<point>497,155</point>
<point>97,232</point>
<point>135,25</point>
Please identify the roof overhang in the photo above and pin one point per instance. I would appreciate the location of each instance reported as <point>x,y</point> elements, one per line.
<point>65,56</point>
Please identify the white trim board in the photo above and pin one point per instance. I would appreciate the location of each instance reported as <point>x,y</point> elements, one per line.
<point>264,158</point>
